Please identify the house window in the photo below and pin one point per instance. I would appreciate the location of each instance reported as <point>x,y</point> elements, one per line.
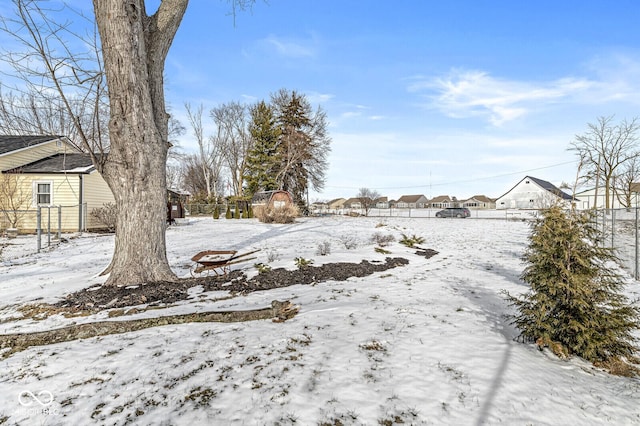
<point>42,193</point>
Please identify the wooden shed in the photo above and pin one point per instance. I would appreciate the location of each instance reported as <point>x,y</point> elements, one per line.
<point>274,199</point>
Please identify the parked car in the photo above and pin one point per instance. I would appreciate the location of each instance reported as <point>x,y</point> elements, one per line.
<point>461,212</point>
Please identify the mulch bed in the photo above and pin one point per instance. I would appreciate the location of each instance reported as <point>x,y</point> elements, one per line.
<point>159,293</point>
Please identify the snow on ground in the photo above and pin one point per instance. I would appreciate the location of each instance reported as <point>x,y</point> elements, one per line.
<point>426,344</point>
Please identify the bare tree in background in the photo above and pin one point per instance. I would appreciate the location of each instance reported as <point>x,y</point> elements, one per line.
<point>604,148</point>
<point>15,197</point>
<point>210,153</point>
<point>232,134</point>
<point>368,199</point>
<point>175,155</point>
<point>627,182</point>
<point>59,75</point>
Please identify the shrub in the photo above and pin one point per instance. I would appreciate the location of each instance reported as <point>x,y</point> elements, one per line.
<point>262,268</point>
<point>216,212</point>
<point>411,241</point>
<point>575,304</point>
<point>382,240</point>
<point>285,214</point>
<point>381,250</point>
<point>324,248</point>
<point>227,214</point>
<point>350,242</point>
<point>106,215</point>
<point>301,262</point>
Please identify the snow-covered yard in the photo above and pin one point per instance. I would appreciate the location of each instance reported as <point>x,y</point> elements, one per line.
<point>426,343</point>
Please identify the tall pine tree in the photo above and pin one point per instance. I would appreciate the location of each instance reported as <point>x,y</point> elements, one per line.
<point>304,144</point>
<point>575,304</point>
<point>262,160</point>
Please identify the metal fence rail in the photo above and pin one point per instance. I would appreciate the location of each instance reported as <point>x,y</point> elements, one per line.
<point>620,227</point>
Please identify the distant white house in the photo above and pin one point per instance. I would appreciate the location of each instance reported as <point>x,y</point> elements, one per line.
<point>532,193</point>
<point>587,199</point>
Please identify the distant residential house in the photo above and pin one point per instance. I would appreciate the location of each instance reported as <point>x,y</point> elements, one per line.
<point>382,203</point>
<point>336,204</point>
<point>56,175</point>
<point>441,202</point>
<point>587,199</point>
<point>532,193</point>
<point>352,203</point>
<point>319,206</point>
<point>479,202</point>
<point>412,202</point>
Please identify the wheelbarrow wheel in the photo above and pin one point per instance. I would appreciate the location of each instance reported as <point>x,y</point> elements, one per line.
<point>196,270</point>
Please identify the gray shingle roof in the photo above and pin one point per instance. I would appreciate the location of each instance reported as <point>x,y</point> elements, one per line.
<point>9,143</point>
<point>59,163</point>
<point>551,188</point>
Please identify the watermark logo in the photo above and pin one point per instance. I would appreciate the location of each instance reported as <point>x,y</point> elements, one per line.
<point>27,398</point>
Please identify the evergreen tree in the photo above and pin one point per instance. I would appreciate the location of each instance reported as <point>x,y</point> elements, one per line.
<point>575,304</point>
<point>236,211</point>
<point>303,146</point>
<point>216,212</point>
<point>262,159</point>
<point>227,214</point>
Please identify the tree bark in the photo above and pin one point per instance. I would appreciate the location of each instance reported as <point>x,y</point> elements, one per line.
<point>134,48</point>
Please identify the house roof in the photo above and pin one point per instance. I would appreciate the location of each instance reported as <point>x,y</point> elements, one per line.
<point>265,196</point>
<point>440,199</point>
<point>10,143</point>
<point>551,188</point>
<point>59,163</point>
<point>410,198</point>
<point>544,185</point>
<point>336,200</point>
<point>481,198</point>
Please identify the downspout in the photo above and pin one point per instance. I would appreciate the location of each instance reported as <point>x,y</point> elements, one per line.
<point>80,202</point>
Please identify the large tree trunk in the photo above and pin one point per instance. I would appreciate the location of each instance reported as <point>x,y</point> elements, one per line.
<point>134,48</point>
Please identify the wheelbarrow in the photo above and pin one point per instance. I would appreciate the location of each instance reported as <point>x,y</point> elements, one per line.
<point>218,261</point>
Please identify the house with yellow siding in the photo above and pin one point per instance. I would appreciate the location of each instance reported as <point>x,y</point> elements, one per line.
<point>51,173</point>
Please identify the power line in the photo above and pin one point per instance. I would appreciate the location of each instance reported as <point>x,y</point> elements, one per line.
<point>460,181</point>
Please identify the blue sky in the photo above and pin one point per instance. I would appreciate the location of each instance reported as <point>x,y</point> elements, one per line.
<point>423,97</point>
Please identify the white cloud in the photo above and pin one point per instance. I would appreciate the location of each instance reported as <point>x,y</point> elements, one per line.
<point>468,93</point>
<point>317,98</point>
<point>288,47</point>
<point>350,114</point>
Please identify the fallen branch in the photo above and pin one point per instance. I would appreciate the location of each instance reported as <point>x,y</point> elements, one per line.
<point>12,343</point>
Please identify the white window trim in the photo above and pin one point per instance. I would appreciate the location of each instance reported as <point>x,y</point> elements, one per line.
<point>35,192</point>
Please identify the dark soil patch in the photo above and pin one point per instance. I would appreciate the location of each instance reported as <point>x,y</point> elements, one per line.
<point>159,293</point>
